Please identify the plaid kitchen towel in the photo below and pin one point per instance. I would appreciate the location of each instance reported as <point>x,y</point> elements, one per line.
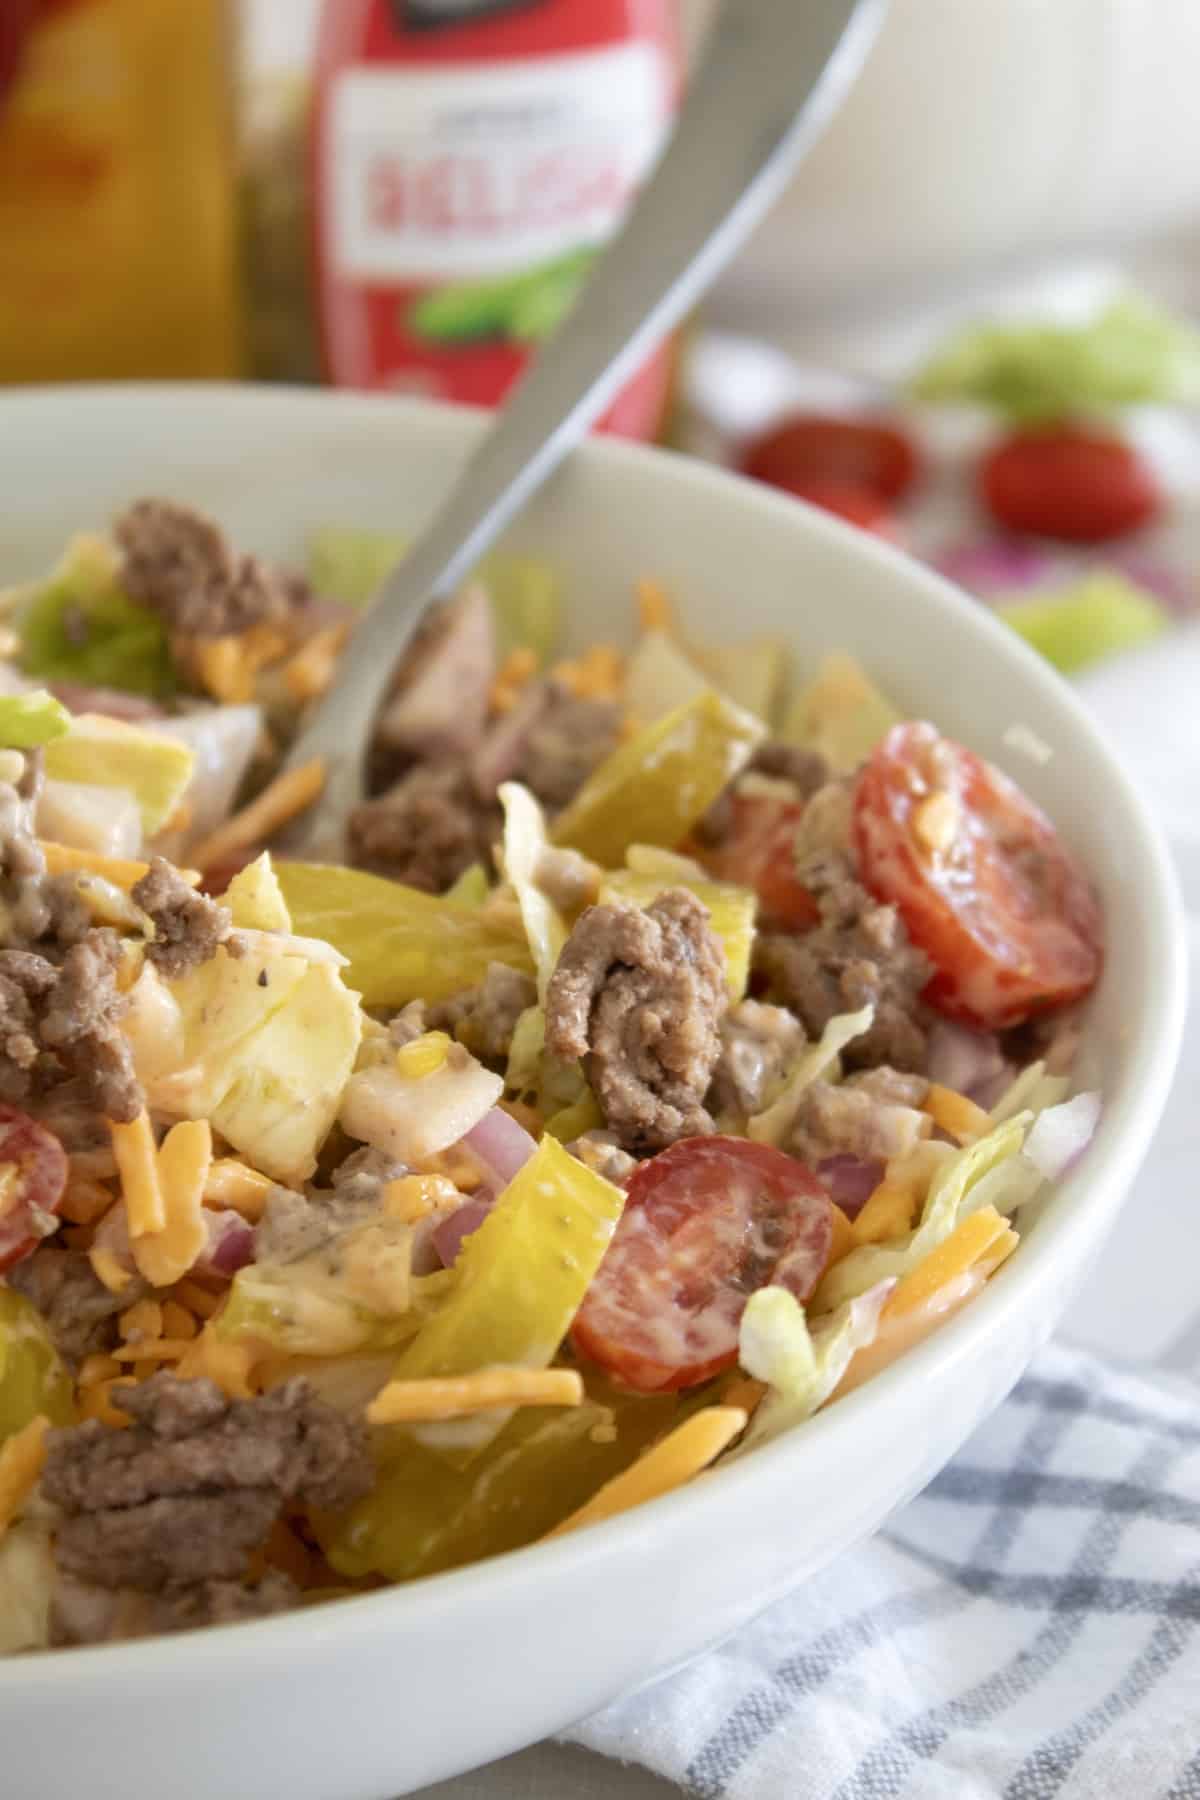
<point>1027,1628</point>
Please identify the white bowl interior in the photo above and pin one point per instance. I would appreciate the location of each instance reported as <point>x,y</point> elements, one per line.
<point>272,465</point>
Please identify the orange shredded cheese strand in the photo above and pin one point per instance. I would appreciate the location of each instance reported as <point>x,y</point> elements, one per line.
<point>197,1299</point>
<point>229,1365</point>
<point>61,859</point>
<point>683,1453</point>
<point>438,1397</point>
<point>22,1459</point>
<point>84,1201</point>
<point>743,1391</point>
<point>144,1319</point>
<point>177,1322</point>
<point>954,1113</point>
<point>310,671</point>
<point>233,1186</point>
<point>155,1350</point>
<point>517,669</point>
<point>843,1240</point>
<point>596,675</point>
<point>887,1214</point>
<point>279,801</point>
<point>998,1251</point>
<point>137,1164</point>
<point>165,1256</point>
<point>108,1269</point>
<point>413,1197</point>
<point>96,1402</point>
<point>97,1368</point>
<point>655,612</point>
<point>967,1243</point>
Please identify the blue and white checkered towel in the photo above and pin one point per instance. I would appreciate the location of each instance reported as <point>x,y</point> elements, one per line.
<point>1027,1628</point>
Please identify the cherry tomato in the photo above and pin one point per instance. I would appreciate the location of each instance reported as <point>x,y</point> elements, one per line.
<point>862,506</point>
<point>980,877</point>
<point>759,854</point>
<point>1068,484</point>
<point>33,1175</point>
<point>707,1222</point>
<point>810,451</point>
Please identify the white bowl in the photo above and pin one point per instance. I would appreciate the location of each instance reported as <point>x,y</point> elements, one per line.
<point>381,1694</point>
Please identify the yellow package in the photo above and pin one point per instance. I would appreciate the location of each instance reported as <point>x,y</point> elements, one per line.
<point>117,231</point>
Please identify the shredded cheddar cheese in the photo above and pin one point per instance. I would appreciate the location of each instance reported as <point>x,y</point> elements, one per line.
<point>177,1321</point>
<point>22,1459</point>
<point>144,1319</point>
<point>165,1255</point>
<point>233,1186</point>
<point>967,1244</point>
<point>226,667</point>
<point>108,1269</point>
<point>413,1197</point>
<point>310,670</point>
<point>936,822</point>
<point>449,1397</point>
<point>957,1115</point>
<point>683,1453</point>
<point>158,1350</point>
<point>596,675</point>
<point>197,1300</point>
<point>655,612</point>
<point>84,1201</point>
<point>844,1238</point>
<point>887,1214</point>
<point>137,1164</point>
<point>97,1368</point>
<point>62,859</point>
<point>96,1402</point>
<point>279,801</point>
<point>229,1365</point>
<point>517,669</point>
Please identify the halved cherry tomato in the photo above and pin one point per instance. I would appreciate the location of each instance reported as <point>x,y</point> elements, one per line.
<point>33,1176</point>
<point>804,452</point>
<point>1068,484</point>
<point>862,506</point>
<point>981,879</point>
<point>707,1222</point>
<point>759,853</point>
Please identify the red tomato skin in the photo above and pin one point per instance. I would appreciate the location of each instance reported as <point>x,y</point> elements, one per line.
<point>1075,485</point>
<point>868,455</point>
<point>1008,919</point>
<point>40,1179</point>
<point>759,854</point>
<point>860,506</point>
<point>706,1223</point>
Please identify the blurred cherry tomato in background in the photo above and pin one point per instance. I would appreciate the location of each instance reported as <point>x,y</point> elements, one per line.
<point>1067,483</point>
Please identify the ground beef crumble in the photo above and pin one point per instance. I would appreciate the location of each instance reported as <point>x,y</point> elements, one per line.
<point>188,926</point>
<point>638,996</point>
<point>193,1486</point>
<point>859,954</point>
<point>426,830</point>
<point>180,563</point>
<point>79,1311</point>
<point>484,1018</point>
<point>64,1020</point>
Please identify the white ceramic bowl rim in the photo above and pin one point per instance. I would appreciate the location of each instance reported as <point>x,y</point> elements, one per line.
<point>1131,1112</point>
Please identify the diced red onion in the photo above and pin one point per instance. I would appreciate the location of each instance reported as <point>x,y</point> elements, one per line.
<point>1060,1135</point>
<point>993,567</point>
<point>230,1243</point>
<point>500,1144</point>
<point>961,1059</point>
<point>1170,583</point>
<point>448,1233</point>
<point>849,1180</point>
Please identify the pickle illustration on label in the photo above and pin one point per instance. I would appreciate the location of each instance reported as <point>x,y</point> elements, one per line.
<point>470,160</point>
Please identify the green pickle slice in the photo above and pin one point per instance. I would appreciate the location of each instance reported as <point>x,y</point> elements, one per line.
<point>653,789</point>
<point>33,1377</point>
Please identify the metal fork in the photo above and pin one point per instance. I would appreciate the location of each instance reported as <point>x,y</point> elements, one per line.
<point>773,73</point>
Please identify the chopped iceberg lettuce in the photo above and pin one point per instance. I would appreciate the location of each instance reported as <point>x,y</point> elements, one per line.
<point>1129,354</point>
<point>661,677</point>
<point>27,720</point>
<point>841,714</point>
<point>801,1365</point>
<point>255,898</point>
<point>818,1062</point>
<point>28,1577</point>
<point>524,845</point>
<point>105,752</point>
<point>349,563</point>
<point>753,675</point>
<point>951,1197</point>
<point>78,625</point>
<point>402,944</point>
